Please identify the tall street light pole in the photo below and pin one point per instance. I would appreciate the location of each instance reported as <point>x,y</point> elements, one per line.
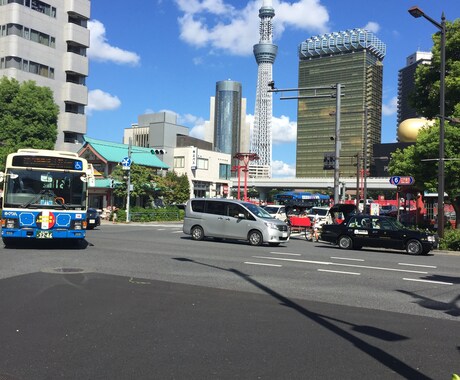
<point>417,12</point>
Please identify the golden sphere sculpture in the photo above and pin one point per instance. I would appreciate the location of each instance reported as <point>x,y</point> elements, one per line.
<point>408,129</point>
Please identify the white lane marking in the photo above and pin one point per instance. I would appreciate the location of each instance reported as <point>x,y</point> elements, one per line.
<point>337,271</point>
<point>428,281</point>
<point>287,254</point>
<point>339,264</point>
<point>177,232</point>
<point>267,265</point>
<point>161,229</point>
<point>346,258</point>
<point>418,265</point>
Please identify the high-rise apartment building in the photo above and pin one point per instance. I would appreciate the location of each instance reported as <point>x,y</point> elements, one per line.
<point>406,84</point>
<point>46,41</point>
<point>352,58</point>
<point>228,128</point>
<point>265,53</point>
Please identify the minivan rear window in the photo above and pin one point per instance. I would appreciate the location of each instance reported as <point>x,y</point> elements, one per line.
<point>198,206</point>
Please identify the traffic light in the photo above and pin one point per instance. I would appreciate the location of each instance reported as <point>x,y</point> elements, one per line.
<point>329,161</point>
<point>157,151</point>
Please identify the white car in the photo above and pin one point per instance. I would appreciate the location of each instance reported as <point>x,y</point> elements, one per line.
<point>277,211</point>
<point>323,213</point>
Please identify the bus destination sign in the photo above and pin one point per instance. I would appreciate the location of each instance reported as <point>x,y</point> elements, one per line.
<point>47,162</point>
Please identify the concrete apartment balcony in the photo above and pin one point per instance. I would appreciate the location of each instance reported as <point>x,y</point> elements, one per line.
<point>76,34</point>
<point>81,7</point>
<point>75,93</point>
<point>76,63</point>
<point>72,122</point>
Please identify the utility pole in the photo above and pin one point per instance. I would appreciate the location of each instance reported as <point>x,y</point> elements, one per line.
<point>128,187</point>
<point>338,144</point>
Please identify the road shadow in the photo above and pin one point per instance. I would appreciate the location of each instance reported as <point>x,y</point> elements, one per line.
<point>67,244</point>
<point>451,308</point>
<point>378,354</point>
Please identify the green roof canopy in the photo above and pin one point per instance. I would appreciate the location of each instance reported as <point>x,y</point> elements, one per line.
<point>115,152</point>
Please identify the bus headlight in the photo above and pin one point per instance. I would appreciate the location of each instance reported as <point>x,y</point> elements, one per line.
<point>11,223</point>
<point>77,225</point>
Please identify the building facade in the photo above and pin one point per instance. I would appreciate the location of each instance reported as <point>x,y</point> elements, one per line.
<point>228,129</point>
<point>265,53</point>
<point>208,171</point>
<point>406,84</point>
<point>352,58</point>
<point>46,41</point>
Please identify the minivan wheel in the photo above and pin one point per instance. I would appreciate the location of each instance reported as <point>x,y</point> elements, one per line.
<point>255,238</point>
<point>197,233</point>
<point>414,247</point>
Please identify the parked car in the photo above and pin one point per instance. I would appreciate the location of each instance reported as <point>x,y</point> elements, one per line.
<point>379,232</point>
<point>93,219</point>
<point>277,211</point>
<point>232,219</point>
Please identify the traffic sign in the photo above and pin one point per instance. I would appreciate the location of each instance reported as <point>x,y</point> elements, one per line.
<point>126,162</point>
<point>402,181</point>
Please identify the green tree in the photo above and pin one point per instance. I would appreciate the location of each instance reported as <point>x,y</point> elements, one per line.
<point>425,98</point>
<point>412,161</point>
<point>173,188</point>
<point>28,117</point>
<point>142,180</point>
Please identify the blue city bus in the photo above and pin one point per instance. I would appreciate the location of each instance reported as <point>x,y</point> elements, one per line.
<point>45,195</point>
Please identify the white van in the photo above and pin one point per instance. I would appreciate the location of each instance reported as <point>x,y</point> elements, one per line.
<point>232,219</point>
<point>277,211</point>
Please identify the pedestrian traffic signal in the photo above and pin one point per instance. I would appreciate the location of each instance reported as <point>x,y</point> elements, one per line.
<point>329,161</point>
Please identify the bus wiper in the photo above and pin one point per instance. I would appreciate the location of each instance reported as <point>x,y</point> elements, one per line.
<point>48,193</point>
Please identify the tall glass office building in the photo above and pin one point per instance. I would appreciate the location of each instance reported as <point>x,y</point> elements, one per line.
<point>227,117</point>
<point>352,58</point>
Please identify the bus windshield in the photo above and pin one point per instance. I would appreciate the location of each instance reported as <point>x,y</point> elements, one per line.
<point>29,188</point>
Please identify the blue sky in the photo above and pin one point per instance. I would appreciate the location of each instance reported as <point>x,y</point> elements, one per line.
<point>154,55</point>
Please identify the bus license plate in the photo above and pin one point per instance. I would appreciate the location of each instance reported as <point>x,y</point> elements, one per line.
<point>44,235</point>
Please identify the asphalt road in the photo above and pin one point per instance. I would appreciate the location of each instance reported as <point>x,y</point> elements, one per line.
<point>146,302</point>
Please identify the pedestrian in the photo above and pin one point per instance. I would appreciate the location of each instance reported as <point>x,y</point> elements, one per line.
<point>316,226</point>
<point>114,214</point>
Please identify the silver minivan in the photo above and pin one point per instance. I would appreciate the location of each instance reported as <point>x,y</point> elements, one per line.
<point>232,219</point>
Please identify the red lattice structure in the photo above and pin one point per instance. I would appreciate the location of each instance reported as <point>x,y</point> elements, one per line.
<point>245,158</point>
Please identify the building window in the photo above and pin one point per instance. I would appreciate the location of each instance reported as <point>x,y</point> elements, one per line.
<point>224,171</point>
<point>71,137</point>
<point>179,162</point>
<point>28,34</point>
<point>74,108</point>
<point>202,163</point>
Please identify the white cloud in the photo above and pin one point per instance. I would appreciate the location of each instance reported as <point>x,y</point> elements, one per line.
<point>101,50</point>
<point>391,107</point>
<point>99,100</point>
<point>372,26</point>
<point>281,169</point>
<point>283,130</point>
<point>216,25</point>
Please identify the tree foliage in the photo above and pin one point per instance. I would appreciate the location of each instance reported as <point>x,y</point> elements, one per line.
<point>28,117</point>
<point>171,188</point>
<point>420,161</point>
<point>425,98</point>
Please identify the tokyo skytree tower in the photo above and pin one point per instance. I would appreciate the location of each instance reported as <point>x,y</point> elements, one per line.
<point>265,54</point>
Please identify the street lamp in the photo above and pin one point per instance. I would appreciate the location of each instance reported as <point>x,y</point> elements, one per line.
<point>417,12</point>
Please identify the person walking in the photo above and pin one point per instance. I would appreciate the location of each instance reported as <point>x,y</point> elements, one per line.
<point>316,226</point>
